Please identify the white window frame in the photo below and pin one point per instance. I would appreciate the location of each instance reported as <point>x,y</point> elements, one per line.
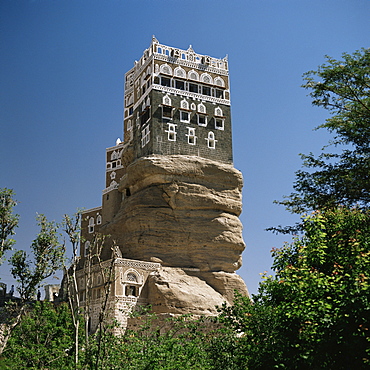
<point>145,136</point>
<point>91,225</point>
<point>205,119</point>
<point>166,117</point>
<point>192,139</point>
<point>211,141</point>
<point>184,112</point>
<point>171,132</point>
<point>222,123</point>
<point>87,248</point>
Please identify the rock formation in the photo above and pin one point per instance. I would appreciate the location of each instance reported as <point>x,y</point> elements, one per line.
<point>182,211</point>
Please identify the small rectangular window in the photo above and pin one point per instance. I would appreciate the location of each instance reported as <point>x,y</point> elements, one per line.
<point>171,132</point>
<point>184,116</point>
<point>219,123</point>
<point>206,90</point>
<point>145,115</point>
<point>179,85</point>
<point>191,136</point>
<point>219,93</point>
<point>193,88</point>
<point>131,111</point>
<point>202,120</point>
<point>166,112</point>
<point>145,136</point>
<point>165,81</point>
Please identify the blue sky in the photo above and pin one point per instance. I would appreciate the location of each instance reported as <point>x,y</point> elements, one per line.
<point>61,75</point>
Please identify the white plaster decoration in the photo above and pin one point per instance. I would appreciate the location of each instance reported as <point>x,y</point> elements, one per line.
<point>145,136</point>
<point>98,220</point>
<point>191,136</point>
<point>132,276</point>
<point>211,141</point>
<point>138,264</point>
<point>192,106</point>
<point>195,96</point>
<point>219,81</point>
<point>156,68</point>
<point>184,104</point>
<point>218,112</point>
<point>113,175</point>
<point>201,108</point>
<point>214,68</point>
<point>166,100</point>
<point>129,125</point>
<point>206,78</point>
<point>91,225</point>
<point>148,102</point>
<point>192,75</point>
<point>165,69</point>
<point>180,72</point>
<point>87,249</point>
<point>113,184</point>
<point>114,156</point>
<point>171,132</point>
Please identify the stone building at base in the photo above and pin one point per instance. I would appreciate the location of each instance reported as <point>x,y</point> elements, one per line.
<point>172,200</point>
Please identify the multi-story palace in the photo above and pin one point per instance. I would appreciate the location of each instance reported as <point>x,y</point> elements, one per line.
<point>177,106</point>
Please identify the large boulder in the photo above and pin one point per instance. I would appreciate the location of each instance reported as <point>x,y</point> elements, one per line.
<point>181,211</point>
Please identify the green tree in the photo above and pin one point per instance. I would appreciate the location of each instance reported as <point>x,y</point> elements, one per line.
<point>44,339</point>
<point>342,177</point>
<point>8,220</point>
<point>315,312</point>
<point>48,256</point>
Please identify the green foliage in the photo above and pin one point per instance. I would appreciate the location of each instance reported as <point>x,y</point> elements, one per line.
<point>340,178</point>
<point>315,312</point>
<point>177,343</point>
<point>48,257</point>
<point>8,220</point>
<point>43,339</point>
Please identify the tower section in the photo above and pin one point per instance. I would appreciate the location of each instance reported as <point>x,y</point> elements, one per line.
<point>172,196</point>
<point>177,102</point>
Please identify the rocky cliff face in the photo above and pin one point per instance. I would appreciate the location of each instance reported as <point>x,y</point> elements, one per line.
<point>182,211</point>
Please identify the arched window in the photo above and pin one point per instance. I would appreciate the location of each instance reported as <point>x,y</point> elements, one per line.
<point>87,249</point>
<point>132,282</point>
<point>206,78</point>
<point>211,140</point>
<point>219,81</point>
<point>166,100</point>
<point>184,104</point>
<point>192,75</point>
<point>191,136</point>
<point>98,220</point>
<point>179,72</point>
<point>91,225</point>
<point>131,277</point>
<point>201,108</point>
<point>165,69</point>
<point>218,112</point>
<point>171,132</point>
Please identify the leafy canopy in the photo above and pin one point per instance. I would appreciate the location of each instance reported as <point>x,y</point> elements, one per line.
<point>341,177</point>
<point>315,312</point>
<point>48,256</point>
<point>8,220</point>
